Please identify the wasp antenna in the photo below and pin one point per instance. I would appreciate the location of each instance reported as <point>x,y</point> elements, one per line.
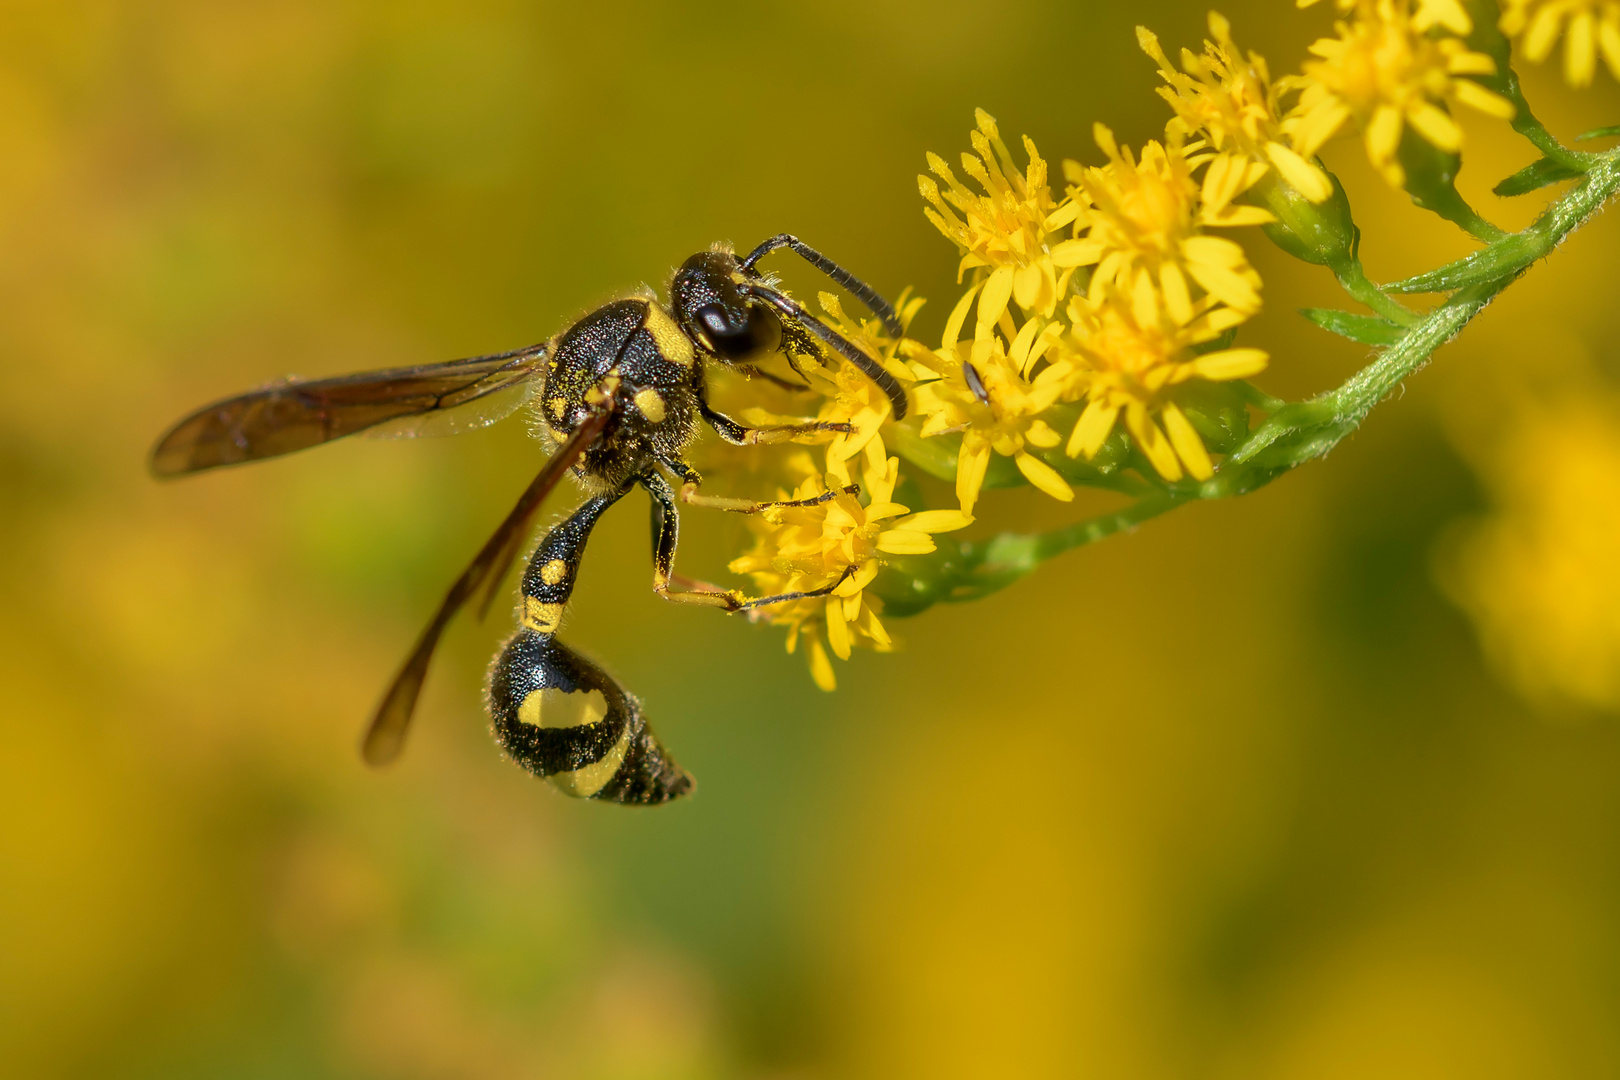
<point>842,345</point>
<point>859,289</point>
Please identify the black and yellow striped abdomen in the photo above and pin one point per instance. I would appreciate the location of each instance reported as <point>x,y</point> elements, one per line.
<point>558,714</point>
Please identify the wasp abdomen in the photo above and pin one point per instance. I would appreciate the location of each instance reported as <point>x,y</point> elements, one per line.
<point>558,714</point>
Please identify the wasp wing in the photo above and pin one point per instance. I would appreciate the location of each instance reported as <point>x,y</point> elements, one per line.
<point>386,736</point>
<point>300,413</point>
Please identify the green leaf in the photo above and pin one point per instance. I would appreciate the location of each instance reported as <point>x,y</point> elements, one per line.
<point>1367,329</point>
<point>1599,133</point>
<point>1431,180</point>
<point>1534,176</point>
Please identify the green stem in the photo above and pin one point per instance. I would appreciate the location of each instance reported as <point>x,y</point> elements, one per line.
<point>1353,279</point>
<point>1514,253</point>
<point>1298,433</point>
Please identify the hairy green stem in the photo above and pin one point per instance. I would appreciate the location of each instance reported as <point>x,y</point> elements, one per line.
<point>1513,254</point>
<point>1353,280</point>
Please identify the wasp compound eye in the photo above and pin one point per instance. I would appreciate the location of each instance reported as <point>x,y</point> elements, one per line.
<point>751,337</point>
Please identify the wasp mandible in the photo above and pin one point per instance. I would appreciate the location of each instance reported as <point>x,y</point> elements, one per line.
<point>621,393</point>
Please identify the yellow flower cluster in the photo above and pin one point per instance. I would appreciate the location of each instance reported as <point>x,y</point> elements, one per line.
<point>844,541</point>
<point>847,539</point>
<point>1157,286</point>
<point>1227,97</point>
<point>1590,27</point>
<point>1091,309</point>
<point>1393,67</point>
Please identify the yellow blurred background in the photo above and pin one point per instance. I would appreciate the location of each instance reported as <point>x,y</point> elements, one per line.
<point>1317,783</point>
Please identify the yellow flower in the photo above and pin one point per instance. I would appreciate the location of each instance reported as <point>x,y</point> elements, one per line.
<point>852,397</point>
<point>1008,229</point>
<point>1446,14</point>
<point>1147,217</point>
<point>1387,73</point>
<point>1539,575</point>
<point>1230,100</point>
<point>802,548</point>
<point>1590,27</point>
<point>1135,349</point>
<point>990,396</point>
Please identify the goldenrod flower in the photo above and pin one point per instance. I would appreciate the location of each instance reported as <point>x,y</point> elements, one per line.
<point>1385,71</point>
<point>1008,229</point>
<point>1148,217</point>
<point>1539,575</point>
<point>1447,14</point>
<point>1589,27</point>
<point>1135,349</point>
<point>990,397</point>
<point>852,397</point>
<point>1228,98</point>
<point>802,548</point>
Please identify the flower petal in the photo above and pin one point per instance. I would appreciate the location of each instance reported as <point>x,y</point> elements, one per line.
<point>821,669</point>
<point>837,628</point>
<point>1043,476</point>
<point>1188,446</point>
<point>1092,429</point>
<point>904,542</point>
<point>1230,364</point>
<point>936,521</point>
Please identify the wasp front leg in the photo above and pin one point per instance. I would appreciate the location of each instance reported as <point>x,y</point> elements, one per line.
<point>742,435</point>
<point>691,481</point>
<point>558,713</point>
<point>666,524</point>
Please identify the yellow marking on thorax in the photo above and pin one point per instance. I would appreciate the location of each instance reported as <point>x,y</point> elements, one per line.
<point>540,617</point>
<point>675,346</point>
<point>604,390</point>
<point>558,407</point>
<point>651,404</point>
<point>554,571</point>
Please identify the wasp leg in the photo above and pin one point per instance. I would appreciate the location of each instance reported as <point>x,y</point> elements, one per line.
<point>754,371</point>
<point>691,481</point>
<point>557,713</point>
<point>741,435</point>
<point>666,525</point>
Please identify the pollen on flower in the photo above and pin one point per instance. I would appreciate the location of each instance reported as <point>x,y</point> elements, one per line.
<point>843,541</point>
<point>1388,73</point>
<point>1148,216</point>
<point>1135,350</point>
<point>1589,27</point>
<point>1226,97</point>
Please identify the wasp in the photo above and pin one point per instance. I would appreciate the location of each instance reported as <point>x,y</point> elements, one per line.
<point>622,393</point>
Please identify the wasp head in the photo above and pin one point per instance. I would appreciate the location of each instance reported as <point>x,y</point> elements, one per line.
<point>714,309</point>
